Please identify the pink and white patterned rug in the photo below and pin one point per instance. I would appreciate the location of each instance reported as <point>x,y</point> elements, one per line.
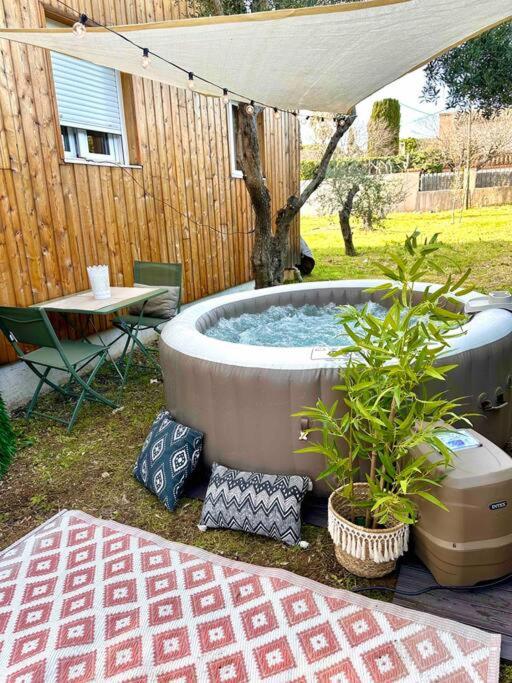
<point>82,599</point>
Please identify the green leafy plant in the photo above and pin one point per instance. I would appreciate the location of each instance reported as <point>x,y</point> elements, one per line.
<point>387,112</point>
<point>7,440</point>
<point>488,88</point>
<point>390,406</point>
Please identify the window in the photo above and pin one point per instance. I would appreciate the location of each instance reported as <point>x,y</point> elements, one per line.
<point>236,172</point>
<point>90,106</point>
<point>92,145</point>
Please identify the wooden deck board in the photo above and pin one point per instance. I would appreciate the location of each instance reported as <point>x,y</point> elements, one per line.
<point>489,609</point>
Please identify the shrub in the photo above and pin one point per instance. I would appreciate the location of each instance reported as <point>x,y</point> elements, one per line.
<point>385,113</point>
<point>7,440</point>
<point>307,168</point>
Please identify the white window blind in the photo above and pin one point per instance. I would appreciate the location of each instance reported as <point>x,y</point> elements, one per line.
<point>88,95</point>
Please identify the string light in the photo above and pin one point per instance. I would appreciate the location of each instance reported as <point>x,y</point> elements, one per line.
<point>79,28</point>
<point>146,61</point>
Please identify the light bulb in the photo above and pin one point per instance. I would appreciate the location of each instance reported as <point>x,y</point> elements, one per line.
<point>249,108</point>
<point>146,61</point>
<point>276,113</point>
<point>79,28</point>
<point>191,83</point>
<point>225,96</point>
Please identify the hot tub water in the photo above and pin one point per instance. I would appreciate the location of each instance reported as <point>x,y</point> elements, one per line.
<point>288,326</point>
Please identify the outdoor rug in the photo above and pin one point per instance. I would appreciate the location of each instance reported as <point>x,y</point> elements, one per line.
<point>82,599</point>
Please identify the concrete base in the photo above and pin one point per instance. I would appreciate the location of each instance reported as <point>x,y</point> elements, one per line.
<point>18,382</point>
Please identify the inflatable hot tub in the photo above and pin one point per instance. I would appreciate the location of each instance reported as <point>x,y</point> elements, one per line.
<point>242,396</point>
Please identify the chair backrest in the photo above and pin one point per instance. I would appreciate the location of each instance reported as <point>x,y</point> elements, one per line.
<point>27,326</point>
<point>163,274</point>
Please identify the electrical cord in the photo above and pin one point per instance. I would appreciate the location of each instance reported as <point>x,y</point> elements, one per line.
<point>435,587</point>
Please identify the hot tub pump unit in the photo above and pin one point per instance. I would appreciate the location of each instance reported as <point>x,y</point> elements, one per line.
<point>472,541</point>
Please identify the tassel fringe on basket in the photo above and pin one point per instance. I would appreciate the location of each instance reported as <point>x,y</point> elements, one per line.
<point>361,544</point>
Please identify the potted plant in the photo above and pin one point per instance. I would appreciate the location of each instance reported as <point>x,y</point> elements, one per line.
<point>389,407</point>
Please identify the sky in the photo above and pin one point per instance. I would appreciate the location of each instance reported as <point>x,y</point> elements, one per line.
<point>418,118</point>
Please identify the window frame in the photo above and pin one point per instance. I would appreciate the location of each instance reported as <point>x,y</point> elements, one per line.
<point>79,148</point>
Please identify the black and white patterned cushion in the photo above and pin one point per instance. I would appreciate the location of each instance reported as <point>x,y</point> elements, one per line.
<point>169,455</point>
<point>265,504</point>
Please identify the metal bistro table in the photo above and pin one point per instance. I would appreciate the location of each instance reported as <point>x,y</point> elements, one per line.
<point>83,303</point>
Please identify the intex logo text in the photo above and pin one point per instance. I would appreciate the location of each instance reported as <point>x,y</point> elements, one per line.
<point>499,505</point>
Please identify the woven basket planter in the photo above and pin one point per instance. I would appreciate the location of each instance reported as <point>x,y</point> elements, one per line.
<point>364,552</point>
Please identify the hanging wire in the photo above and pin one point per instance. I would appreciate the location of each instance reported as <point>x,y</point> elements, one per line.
<point>127,171</point>
<point>177,211</point>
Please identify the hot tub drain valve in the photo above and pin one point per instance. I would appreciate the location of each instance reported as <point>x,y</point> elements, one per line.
<point>486,404</point>
<point>304,426</point>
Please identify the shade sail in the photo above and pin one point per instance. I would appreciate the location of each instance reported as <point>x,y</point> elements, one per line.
<point>325,58</point>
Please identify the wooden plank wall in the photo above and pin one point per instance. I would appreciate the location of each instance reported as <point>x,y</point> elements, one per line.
<point>56,218</point>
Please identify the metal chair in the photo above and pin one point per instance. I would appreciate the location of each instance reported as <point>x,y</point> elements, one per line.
<point>32,326</point>
<point>156,275</point>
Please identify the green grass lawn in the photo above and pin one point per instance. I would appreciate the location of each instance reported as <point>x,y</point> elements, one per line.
<point>482,239</point>
<point>91,468</point>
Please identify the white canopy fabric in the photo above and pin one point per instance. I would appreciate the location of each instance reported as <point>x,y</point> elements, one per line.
<point>325,58</point>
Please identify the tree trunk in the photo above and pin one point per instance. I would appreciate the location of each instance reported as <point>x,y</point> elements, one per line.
<point>344,218</point>
<point>271,245</point>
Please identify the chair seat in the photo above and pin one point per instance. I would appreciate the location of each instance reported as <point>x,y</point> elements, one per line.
<point>76,352</point>
<point>134,320</point>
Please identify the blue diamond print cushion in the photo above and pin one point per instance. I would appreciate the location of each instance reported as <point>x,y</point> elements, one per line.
<point>169,455</point>
<point>265,504</point>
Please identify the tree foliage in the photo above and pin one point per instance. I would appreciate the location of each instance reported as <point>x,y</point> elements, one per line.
<point>384,113</point>
<point>476,74</point>
<point>7,441</point>
<point>389,405</point>
<point>375,196</point>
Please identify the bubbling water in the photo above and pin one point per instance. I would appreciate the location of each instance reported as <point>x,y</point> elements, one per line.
<point>288,326</point>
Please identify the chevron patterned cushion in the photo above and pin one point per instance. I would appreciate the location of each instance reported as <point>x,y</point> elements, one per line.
<point>266,504</point>
<point>169,455</point>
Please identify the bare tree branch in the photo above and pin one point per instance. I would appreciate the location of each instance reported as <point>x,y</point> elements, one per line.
<point>343,123</point>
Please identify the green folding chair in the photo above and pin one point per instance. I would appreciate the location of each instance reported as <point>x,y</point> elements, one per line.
<point>156,275</point>
<point>32,326</point>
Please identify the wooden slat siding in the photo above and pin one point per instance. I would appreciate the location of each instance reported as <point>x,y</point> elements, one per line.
<point>5,161</point>
<point>182,208</point>
<point>221,208</point>
<point>57,217</point>
<point>230,199</point>
<point>215,217</point>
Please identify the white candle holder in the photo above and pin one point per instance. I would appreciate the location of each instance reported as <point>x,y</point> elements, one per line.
<point>100,281</point>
